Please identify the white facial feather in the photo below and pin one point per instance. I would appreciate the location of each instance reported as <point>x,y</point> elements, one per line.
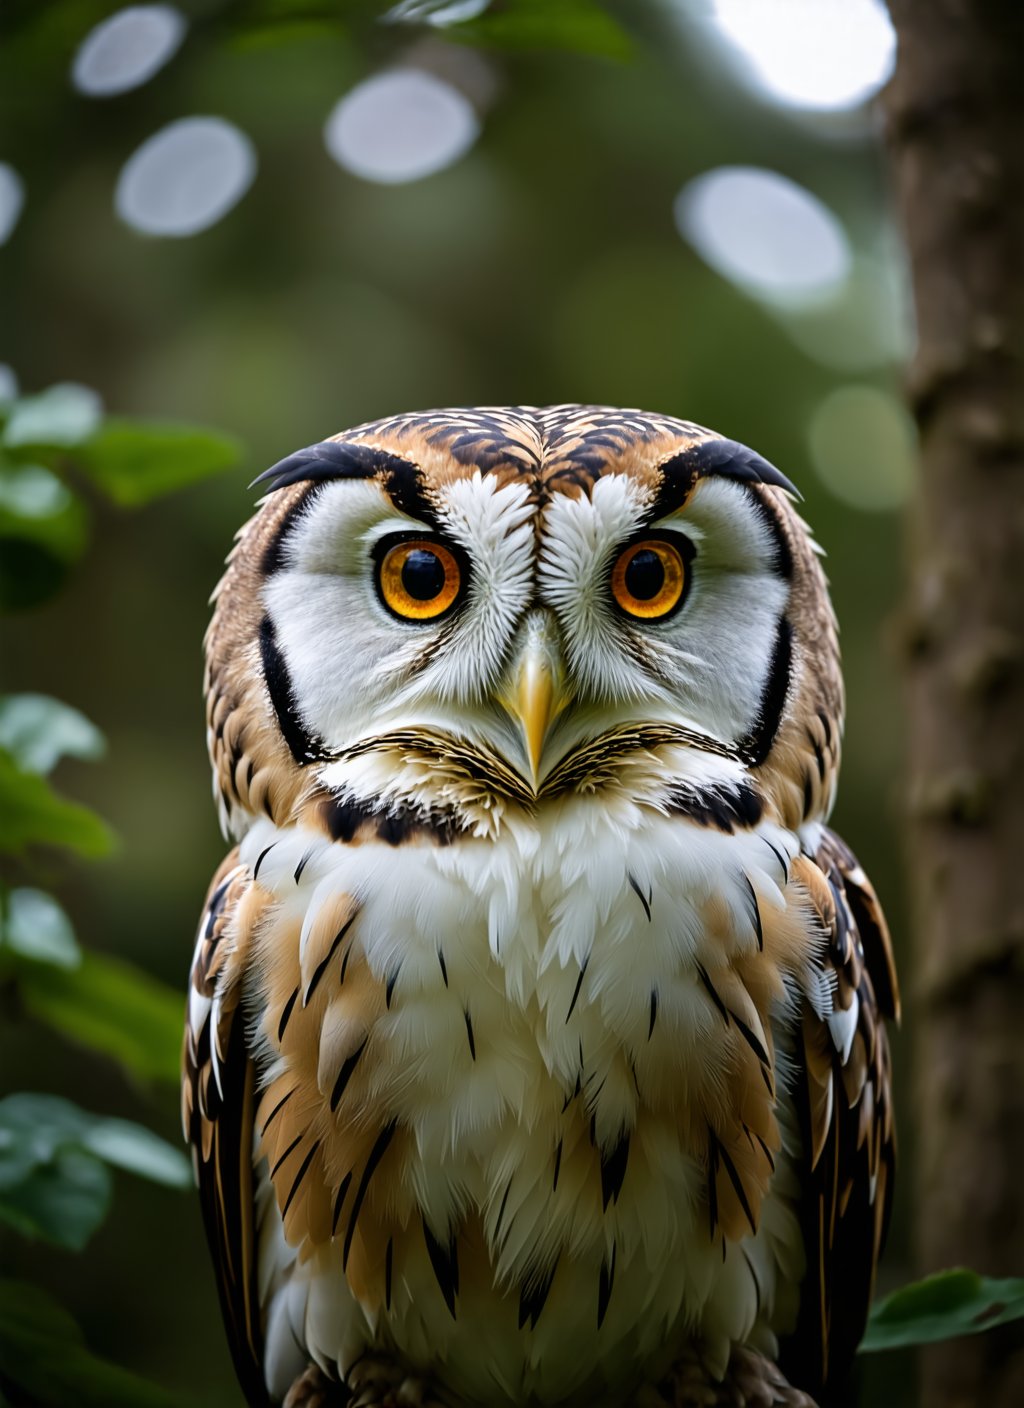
<point>355,667</point>
<point>357,670</point>
<point>713,655</point>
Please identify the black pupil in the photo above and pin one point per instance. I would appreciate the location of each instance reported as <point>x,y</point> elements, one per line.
<point>423,574</point>
<point>645,575</point>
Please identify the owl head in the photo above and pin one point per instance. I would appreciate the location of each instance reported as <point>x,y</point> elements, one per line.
<point>455,614</point>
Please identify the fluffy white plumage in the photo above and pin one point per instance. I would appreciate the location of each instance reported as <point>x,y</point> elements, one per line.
<point>536,984</point>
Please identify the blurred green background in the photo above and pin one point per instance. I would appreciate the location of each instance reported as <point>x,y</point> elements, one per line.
<point>554,260</point>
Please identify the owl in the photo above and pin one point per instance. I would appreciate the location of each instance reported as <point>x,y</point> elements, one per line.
<point>535,1048</point>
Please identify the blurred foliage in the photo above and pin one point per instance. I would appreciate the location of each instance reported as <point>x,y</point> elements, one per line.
<point>47,1362</point>
<point>55,1158</point>
<point>55,444</point>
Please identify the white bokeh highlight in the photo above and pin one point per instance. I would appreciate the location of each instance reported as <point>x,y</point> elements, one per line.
<point>127,49</point>
<point>434,13</point>
<point>863,446</point>
<point>400,126</point>
<point>185,177</point>
<point>8,383</point>
<point>764,233</point>
<point>822,55</point>
<point>12,198</point>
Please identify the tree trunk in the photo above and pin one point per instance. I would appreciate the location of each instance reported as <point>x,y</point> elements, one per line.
<point>956,132</point>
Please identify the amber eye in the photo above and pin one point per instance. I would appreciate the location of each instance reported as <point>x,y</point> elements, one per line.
<point>649,579</point>
<point>419,579</point>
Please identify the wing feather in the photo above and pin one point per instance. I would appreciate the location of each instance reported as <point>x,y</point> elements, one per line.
<point>218,1100</point>
<point>844,1097</point>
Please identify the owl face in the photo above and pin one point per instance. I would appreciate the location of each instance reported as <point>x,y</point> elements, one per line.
<point>528,585</point>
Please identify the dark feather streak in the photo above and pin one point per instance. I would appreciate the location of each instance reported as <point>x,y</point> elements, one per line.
<point>579,984</point>
<point>339,1199</point>
<point>322,965</point>
<point>755,914</point>
<point>532,1296</point>
<point>751,1040</point>
<point>276,1110</point>
<point>345,1074</point>
<point>635,887</point>
<point>295,1142</point>
<point>286,1013</point>
<point>501,1210</point>
<point>613,1171</point>
<point>376,1154</point>
<point>389,988</point>
<point>713,993</point>
<point>605,1282</point>
<point>445,1261</point>
<point>300,1176</point>
<point>261,858</point>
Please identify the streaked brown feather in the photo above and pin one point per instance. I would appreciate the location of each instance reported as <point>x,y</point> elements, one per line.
<point>218,1121</point>
<point>847,1118</point>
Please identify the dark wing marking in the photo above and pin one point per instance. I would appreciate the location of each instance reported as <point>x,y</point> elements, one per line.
<point>844,1098</point>
<point>218,1098</point>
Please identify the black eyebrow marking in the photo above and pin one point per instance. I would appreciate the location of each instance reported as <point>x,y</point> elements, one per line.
<point>340,459</point>
<point>714,458</point>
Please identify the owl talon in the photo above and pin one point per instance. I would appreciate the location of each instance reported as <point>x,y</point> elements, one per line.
<point>313,1389</point>
<point>751,1381</point>
<point>380,1383</point>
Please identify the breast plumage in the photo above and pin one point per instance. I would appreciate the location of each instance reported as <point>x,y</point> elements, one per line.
<point>535,1049</point>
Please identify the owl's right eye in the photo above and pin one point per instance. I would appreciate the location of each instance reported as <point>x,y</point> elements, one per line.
<point>419,579</point>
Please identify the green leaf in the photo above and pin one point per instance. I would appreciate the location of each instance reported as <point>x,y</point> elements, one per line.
<point>110,1007</point>
<point>572,26</point>
<point>943,1307</point>
<point>60,417</point>
<point>139,1151</point>
<point>38,731</point>
<point>62,1202</point>
<point>37,507</point>
<point>49,1186</point>
<point>31,814</point>
<point>134,462</point>
<point>46,1362</point>
<point>53,1179</point>
<point>36,927</point>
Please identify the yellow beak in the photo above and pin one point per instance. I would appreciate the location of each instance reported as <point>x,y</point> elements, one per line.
<point>534,694</point>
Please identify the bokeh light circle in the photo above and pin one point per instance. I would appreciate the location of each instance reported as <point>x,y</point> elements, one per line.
<point>826,55</point>
<point>864,448</point>
<point>127,49</point>
<point>185,177</point>
<point>764,233</point>
<point>400,126</point>
<point>12,198</point>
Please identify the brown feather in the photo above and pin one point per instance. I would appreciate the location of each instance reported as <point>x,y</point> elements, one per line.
<point>219,1127</point>
<point>847,1115</point>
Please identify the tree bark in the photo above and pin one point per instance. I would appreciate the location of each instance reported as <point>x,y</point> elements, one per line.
<point>956,134</point>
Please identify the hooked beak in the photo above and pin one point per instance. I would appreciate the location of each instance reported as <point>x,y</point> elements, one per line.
<point>534,693</point>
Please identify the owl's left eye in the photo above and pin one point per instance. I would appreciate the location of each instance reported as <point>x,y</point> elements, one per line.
<point>419,579</point>
<point>650,578</point>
